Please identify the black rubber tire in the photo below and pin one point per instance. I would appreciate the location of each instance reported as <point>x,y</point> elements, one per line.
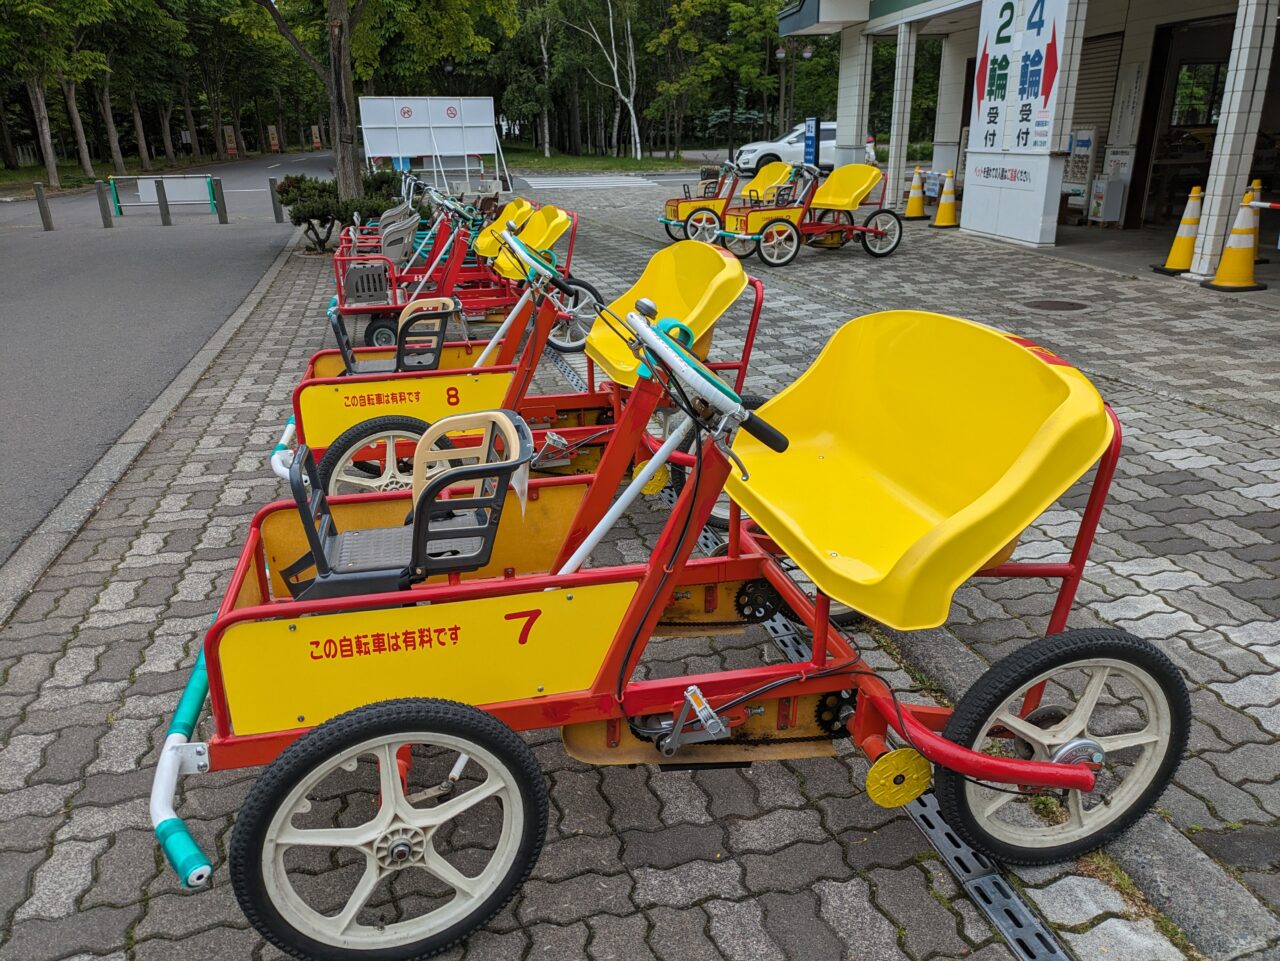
<point>381,332</point>
<point>843,217</point>
<point>1004,679</point>
<point>766,160</point>
<point>579,347</point>
<point>680,475</point>
<point>703,210</point>
<point>674,231</point>
<point>865,238</point>
<point>744,249</point>
<point>795,232</point>
<point>345,731</point>
<point>354,437</point>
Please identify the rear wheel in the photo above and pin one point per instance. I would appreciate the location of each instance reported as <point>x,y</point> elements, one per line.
<point>674,231</point>
<point>1100,696</point>
<point>381,332</point>
<point>835,239</point>
<point>569,335</point>
<point>376,455</point>
<point>389,833</point>
<point>887,227</point>
<point>703,225</point>
<point>742,248</point>
<point>779,243</point>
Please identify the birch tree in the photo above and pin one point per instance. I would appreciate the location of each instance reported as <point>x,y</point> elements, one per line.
<point>621,77</point>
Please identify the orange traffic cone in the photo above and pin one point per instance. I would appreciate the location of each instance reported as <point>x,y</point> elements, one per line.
<point>946,216</point>
<point>1184,242</point>
<point>1256,189</point>
<point>915,202</point>
<point>1235,269</point>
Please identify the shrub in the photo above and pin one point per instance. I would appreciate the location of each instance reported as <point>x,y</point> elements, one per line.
<point>314,204</point>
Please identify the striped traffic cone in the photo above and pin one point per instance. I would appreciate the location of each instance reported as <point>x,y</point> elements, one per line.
<point>1184,242</point>
<point>946,216</point>
<point>915,202</point>
<point>1256,189</point>
<point>1235,269</point>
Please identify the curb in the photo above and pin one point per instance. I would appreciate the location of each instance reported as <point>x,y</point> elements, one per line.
<point>41,547</point>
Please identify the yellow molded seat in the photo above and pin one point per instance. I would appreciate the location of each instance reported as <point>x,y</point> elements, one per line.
<point>920,445</point>
<point>488,242</point>
<point>767,181</point>
<point>690,281</point>
<point>847,187</point>
<point>540,232</point>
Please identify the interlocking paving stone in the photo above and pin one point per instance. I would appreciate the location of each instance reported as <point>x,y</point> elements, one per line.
<point>1075,900</point>
<point>91,661</point>
<point>1118,940</point>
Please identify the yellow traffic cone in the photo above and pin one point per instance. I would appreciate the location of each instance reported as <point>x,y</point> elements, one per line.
<point>1235,269</point>
<point>1256,189</point>
<point>946,216</point>
<point>1184,242</point>
<point>915,202</point>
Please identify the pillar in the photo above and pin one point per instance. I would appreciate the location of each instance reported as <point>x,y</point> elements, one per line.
<point>1247,75</point>
<point>853,96</point>
<point>900,128</point>
<point>957,48</point>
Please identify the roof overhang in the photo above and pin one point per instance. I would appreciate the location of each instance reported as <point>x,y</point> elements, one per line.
<point>807,17</point>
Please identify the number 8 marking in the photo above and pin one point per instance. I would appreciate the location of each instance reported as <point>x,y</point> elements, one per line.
<point>451,397</point>
<point>529,616</point>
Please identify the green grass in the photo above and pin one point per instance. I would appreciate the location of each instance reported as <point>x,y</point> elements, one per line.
<point>17,183</point>
<point>527,160</point>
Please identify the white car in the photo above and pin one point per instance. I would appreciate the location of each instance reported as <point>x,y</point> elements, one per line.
<point>789,148</point>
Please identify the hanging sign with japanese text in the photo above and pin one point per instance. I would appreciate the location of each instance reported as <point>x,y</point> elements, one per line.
<point>1017,79</point>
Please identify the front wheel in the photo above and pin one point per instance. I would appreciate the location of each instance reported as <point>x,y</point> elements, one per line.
<point>779,243</point>
<point>702,225</point>
<point>674,231</point>
<point>882,232</point>
<point>577,313</point>
<point>1099,696</point>
<point>381,332</point>
<point>742,248</point>
<point>389,833</point>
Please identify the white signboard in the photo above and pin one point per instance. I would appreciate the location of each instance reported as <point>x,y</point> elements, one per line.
<point>1017,79</point>
<point>427,126</point>
<point>177,190</point>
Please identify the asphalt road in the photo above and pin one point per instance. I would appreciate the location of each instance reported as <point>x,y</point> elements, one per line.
<point>97,322</point>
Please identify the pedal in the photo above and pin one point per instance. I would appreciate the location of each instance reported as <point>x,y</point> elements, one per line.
<point>657,483</point>
<point>713,728</point>
<point>554,452</point>
<point>898,777</point>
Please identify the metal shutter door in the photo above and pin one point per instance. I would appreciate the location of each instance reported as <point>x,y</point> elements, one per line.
<point>1096,90</point>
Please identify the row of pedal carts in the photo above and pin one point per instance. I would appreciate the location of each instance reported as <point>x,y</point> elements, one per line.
<point>427,588</point>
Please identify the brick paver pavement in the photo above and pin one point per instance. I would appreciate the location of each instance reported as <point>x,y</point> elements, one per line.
<point>782,860</point>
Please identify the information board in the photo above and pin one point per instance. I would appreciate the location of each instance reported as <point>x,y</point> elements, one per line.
<point>811,140</point>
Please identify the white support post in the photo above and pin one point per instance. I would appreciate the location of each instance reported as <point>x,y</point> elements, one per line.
<point>900,128</point>
<point>854,95</point>
<point>1247,73</point>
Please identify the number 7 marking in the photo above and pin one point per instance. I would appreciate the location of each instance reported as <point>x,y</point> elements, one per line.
<point>529,616</point>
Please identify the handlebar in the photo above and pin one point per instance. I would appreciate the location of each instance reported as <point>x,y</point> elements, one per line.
<point>533,261</point>
<point>697,379</point>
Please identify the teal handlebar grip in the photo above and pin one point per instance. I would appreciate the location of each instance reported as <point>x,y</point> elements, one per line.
<point>182,853</point>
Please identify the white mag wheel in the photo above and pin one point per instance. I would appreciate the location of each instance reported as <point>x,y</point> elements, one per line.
<point>577,313</point>
<point>883,232</point>
<point>375,455</point>
<point>1106,698</point>
<point>702,225</point>
<point>779,243</point>
<point>390,832</point>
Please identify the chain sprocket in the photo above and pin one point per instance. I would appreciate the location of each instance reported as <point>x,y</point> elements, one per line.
<point>833,711</point>
<point>757,601</point>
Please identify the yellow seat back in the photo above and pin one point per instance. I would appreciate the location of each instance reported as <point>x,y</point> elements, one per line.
<point>488,243</point>
<point>767,180</point>
<point>691,281</point>
<point>920,445</point>
<point>540,232</point>
<point>847,187</point>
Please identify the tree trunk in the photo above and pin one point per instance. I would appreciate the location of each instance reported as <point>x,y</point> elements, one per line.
<point>192,130</point>
<point>144,155</point>
<point>575,121</point>
<point>77,126</point>
<point>282,132</point>
<point>113,135</point>
<point>236,108</point>
<point>341,90</point>
<point>617,121</point>
<point>165,111</point>
<point>35,90</point>
<point>7,153</point>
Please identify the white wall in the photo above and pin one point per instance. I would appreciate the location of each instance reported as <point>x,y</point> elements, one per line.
<point>957,50</point>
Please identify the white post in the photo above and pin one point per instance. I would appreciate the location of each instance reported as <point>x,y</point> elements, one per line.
<point>1247,74</point>
<point>900,128</point>
<point>854,95</point>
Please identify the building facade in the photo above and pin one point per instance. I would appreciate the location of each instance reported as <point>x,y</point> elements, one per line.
<point>1052,107</point>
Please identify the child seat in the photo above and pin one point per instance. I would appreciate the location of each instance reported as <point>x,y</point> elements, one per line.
<point>920,444</point>
<point>691,281</point>
<point>762,187</point>
<point>419,338</point>
<point>458,497</point>
<point>366,282</point>
<point>488,241</point>
<point>397,239</point>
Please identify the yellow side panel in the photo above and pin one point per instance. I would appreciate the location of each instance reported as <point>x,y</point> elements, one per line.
<point>329,409</point>
<point>284,674</point>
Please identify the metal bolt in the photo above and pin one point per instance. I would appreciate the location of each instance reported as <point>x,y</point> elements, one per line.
<point>293,627</point>
<point>200,751</point>
<point>539,688</point>
<point>301,718</point>
<point>568,597</point>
